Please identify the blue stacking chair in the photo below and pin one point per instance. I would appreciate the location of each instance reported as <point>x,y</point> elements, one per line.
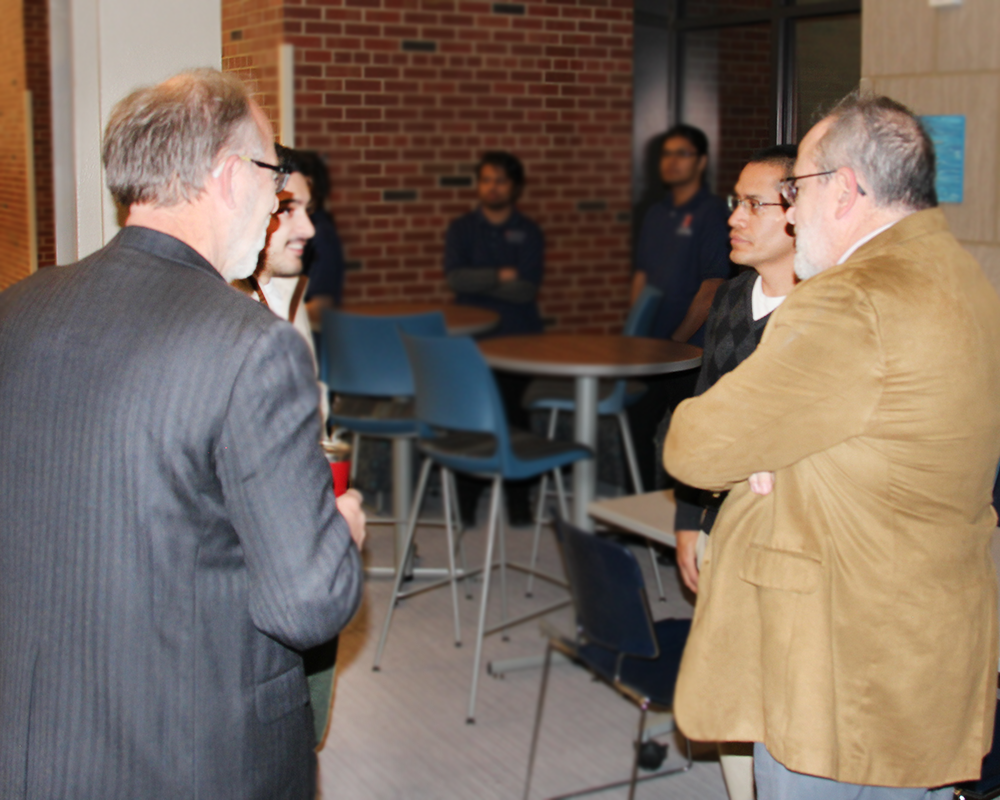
<point>616,639</point>
<point>366,369</point>
<point>613,398</point>
<point>463,428</point>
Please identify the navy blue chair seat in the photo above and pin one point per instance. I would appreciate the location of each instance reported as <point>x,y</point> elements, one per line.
<point>655,676</point>
<point>617,640</point>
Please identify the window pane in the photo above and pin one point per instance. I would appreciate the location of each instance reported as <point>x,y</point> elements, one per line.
<point>726,91</point>
<point>827,65</point>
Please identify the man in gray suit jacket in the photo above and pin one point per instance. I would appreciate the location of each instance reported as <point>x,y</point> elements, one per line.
<point>168,533</point>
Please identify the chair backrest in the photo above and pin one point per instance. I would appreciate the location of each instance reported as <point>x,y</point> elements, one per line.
<point>455,388</point>
<point>363,355</point>
<point>640,317</point>
<point>639,322</point>
<point>609,594</point>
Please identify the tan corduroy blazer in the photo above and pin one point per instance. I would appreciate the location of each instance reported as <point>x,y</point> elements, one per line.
<point>849,619</point>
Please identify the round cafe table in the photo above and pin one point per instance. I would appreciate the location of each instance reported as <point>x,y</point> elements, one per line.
<point>459,320</point>
<point>587,358</point>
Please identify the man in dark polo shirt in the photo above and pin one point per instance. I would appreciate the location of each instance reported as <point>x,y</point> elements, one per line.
<point>494,255</point>
<point>494,259</point>
<point>683,250</point>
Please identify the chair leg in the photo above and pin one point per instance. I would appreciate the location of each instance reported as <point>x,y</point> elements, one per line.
<point>539,520</point>
<point>447,503</point>
<point>456,514</point>
<point>484,601</point>
<point>425,471</point>
<point>633,466</point>
<point>540,508</point>
<point>635,758</point>
<point>538,719</point>
<point>502,541</point>
<point>561,493</point>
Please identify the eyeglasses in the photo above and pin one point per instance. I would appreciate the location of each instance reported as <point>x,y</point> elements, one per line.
<point>751,204</point>
<point>678,154</point>
<point>790,191</point>
<point>281,173</point>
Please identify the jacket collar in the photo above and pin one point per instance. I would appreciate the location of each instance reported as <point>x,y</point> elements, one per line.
<point>919,223</point>
<point>163,245</point>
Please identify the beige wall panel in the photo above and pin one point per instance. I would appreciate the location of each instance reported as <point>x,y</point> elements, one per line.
<point>897,37</point>
<point>988,257</point>
<point>967,36</point>
<point>977,97</point>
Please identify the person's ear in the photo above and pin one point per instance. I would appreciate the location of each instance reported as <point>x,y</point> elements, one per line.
<point>224,179</point>
<point>847,189</point>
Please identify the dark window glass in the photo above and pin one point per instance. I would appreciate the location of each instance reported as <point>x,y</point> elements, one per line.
<point>726,91</point>
<point>827,65</point>
<point>692,9</point>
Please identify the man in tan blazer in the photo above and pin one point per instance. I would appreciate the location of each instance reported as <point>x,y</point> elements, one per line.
<point>846,617</point>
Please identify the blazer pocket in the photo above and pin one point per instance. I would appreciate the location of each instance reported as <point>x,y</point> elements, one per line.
<point>781,569</point>
<point>281,695</point>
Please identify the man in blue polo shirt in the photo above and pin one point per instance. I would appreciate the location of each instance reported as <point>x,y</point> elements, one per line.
<point>494,255</point>
<point>494,259</point>
<point>683,250</point>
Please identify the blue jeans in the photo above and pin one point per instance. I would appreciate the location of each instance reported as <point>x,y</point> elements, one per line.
<point>775,782</point>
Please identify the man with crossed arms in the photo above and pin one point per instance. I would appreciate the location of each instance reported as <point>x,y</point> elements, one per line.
<point>847,613</point>
<point>762,241</point>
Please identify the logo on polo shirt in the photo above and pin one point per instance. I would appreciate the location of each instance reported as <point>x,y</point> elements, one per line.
<point>685,227</point>
<point>514,236</point>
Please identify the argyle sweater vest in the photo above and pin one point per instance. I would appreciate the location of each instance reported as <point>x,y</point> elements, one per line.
<point>731,335</point>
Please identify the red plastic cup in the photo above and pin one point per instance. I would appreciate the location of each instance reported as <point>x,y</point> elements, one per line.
<point>341,476</point>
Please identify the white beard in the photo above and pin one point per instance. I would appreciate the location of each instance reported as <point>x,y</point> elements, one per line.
<point>805,267</point>
<point>244,266</point>
<point>809,258</point>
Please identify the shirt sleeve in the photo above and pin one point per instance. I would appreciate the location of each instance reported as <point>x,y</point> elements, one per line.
<point>813,382</point>
<point>304,571</point>
<point>689,511</point>
<point>688,517</point>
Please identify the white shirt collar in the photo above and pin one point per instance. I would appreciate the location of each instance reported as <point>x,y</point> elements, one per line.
<point>863,240</point>
<point>760,304</point>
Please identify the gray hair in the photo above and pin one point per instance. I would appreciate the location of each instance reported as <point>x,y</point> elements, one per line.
<point>886,146</point>
<point>162,141</point>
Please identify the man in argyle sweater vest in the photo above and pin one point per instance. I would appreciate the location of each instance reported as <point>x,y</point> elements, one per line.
<point>761,241</point>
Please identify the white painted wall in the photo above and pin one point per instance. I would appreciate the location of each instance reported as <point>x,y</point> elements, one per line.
<point>102,50</point>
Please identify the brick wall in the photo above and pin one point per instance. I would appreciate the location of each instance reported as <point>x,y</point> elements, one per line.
<point>36,51</point>
<point>745,102</point>
<point>251,33</point>
<point>403,95</point>
<point>14,243</point>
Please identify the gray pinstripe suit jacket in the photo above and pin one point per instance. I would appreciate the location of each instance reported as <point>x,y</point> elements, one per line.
<point>168,534</point>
